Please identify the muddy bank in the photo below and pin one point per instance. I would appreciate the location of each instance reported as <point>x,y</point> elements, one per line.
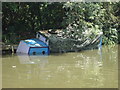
<point>8,49</point>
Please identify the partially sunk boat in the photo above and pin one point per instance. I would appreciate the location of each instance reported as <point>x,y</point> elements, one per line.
<point>60,43</point>
<point>55,41</point>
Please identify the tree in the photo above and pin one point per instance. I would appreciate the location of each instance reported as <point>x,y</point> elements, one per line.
<point>92,17</point>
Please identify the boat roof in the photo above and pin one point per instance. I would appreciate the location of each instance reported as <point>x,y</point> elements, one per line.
<point>35,43</point>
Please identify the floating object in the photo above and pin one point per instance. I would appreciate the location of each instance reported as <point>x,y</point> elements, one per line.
<point>13,66</point>
<point>33,47</point>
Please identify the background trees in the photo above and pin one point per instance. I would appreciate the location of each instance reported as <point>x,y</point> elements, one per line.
<point>97,17</point>
<point>23,20</point>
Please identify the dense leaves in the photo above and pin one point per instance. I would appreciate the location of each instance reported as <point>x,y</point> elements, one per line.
<point>23,20</point>
<point>93,17</point>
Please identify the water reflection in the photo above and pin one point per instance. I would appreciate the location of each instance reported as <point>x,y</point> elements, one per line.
<point>91,69</point>
<point>32,59</point>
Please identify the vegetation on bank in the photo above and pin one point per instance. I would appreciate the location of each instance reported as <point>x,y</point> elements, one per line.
<point>22,20</point>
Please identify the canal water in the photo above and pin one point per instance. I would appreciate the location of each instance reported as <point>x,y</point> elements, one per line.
<point>85,69</point>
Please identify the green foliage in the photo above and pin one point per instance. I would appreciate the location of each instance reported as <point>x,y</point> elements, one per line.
<point>93,18</point>
<point>25,19</point>
<point>79,20</point>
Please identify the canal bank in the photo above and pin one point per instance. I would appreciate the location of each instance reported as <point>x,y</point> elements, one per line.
<point>8,49</point>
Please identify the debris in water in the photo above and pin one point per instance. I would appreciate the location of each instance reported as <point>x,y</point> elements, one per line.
<point>13,66</point>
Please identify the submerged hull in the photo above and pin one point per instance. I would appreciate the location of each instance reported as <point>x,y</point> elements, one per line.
<point>60,45</point>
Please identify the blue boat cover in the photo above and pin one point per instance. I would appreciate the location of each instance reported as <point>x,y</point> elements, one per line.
<point>35,43</point>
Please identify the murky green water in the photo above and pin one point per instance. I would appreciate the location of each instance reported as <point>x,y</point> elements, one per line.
<point>86,69</point>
